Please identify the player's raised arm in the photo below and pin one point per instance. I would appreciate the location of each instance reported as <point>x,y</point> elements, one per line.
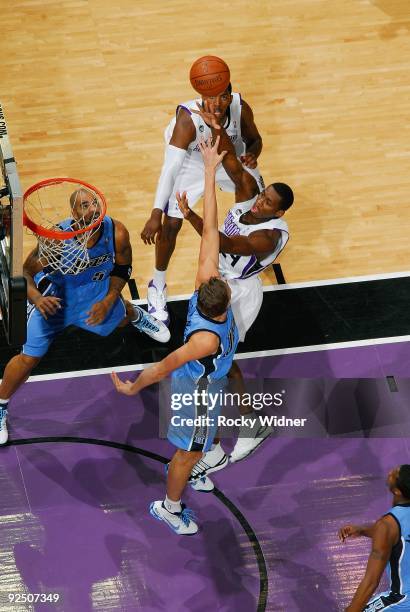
<point>245,184</point>
<point>251,137</point>
<point>209,249</point>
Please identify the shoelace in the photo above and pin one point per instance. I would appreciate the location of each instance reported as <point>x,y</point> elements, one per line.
<point>146,323</point>
<point>3,414</point>
<point>187,515</point>
<point>158,297</point>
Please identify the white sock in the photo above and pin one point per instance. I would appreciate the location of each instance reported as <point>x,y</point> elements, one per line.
<point>159,278</point>
<point>172,506</point>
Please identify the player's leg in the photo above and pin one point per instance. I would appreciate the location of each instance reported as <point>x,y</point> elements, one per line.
<point>40,334</point>
<point>157,287</point>
<point>246,302</point>
<point>171,510</point>
<point>191,441</point>
<point>16,373</point>
<point>192,181</point>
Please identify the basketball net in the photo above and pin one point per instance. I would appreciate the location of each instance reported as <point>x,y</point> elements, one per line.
<point>63,214</point>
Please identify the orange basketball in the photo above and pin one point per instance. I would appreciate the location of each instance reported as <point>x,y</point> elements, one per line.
<point>209,75</point>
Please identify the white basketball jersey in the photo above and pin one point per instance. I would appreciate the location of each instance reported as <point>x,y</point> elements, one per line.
<point>232,126</point>
<point>244,266</point>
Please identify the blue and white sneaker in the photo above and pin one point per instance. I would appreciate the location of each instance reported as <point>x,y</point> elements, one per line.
<point>147,324</point>
<point>157,303</point>
<point>4,435</point>
<point>182,523</point>
<point>204,484</point>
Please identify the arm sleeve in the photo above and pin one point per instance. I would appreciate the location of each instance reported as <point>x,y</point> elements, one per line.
<point>173,161</point>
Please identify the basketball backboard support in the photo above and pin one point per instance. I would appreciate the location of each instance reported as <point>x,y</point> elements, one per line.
<point>13,292</point>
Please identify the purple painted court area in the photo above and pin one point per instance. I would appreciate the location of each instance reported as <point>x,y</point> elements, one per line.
<point>74,517</point>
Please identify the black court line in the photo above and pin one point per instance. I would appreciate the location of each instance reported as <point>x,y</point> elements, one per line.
<point>263,573</point>
<point>280,278</point>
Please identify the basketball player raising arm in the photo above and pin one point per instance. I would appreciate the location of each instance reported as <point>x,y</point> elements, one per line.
<point>200,344</point>
<point>252,236</point>
<point>203,362</point>
<point>183,171</point>
<point>267,204</point>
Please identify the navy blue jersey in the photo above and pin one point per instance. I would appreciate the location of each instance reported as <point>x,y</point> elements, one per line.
<point>214,367</point>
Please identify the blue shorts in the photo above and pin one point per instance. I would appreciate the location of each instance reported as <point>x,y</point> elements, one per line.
<point>388,601</point>
<point>194,424</point>
<point>41,332</point>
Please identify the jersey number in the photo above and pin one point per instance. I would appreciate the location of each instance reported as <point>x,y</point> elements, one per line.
<point>98,276</point>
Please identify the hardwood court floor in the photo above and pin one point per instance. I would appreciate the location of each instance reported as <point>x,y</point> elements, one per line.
<point>88,87</point>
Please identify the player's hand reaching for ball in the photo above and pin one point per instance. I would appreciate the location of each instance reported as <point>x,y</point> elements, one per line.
<point>210,153</point>
<point>207,114</point>
<point>153,227</point>
<point>249,160</point>
<point>183,204</point>
<point>47,305</point>
<point>127,387</point>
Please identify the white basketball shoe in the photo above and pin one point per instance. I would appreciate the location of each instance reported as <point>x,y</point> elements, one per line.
<point>213,461</point>
<point>157,303</point>
<point>147,324</point>
<point>250,438</point>
<point>182,523</point>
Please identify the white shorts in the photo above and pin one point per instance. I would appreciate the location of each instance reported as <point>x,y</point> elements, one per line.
<point>246,302</point>
<point>191,179</point>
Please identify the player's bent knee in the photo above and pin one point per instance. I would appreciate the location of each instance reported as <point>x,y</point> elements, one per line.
<point>170,228</point>
<point>188,457</point>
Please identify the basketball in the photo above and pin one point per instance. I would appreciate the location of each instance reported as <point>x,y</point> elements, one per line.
<point>209,75</point>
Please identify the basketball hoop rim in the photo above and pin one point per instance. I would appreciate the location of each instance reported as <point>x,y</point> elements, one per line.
<point>55,234</point>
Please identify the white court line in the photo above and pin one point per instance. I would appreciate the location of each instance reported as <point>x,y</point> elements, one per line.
<point>316,283</point>
<point>272,353</point>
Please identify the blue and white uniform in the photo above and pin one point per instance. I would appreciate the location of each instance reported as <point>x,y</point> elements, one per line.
<point>78,292</point>
<point>209,374</point>
<point>241,271</point>
<point>191,176</point>
<point>398,569</point>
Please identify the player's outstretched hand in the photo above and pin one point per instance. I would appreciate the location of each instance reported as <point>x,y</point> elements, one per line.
<point>210,152</point>
<point>98,312</point>
<point>183,203</point>
<point>249,160</point>
<point>122,387</point>
<point>206,112</point>
<point>47,305</point>
<point>349,531</point>
<point>153,227</point>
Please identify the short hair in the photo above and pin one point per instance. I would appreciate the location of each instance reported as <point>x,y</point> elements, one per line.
<point>403,480</point>
<point>285,193</point>
<point>229,88</point>
<point>213,297</point>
